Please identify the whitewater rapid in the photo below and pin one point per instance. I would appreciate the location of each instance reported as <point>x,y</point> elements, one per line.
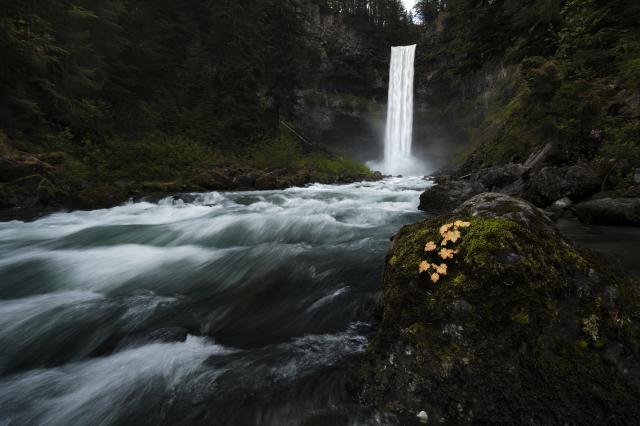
<point>214,308</point>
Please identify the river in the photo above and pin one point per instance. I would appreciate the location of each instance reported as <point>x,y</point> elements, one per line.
<point>214,308</point>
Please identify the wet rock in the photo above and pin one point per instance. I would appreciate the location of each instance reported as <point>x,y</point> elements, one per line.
<point>267,181</point>
<point>27,192</point>
<point>560,208</point>
<point>98,196</point>
<point>20,166</point>
<point>499,176</point>
<point>553,183</point>
<point>214,180</point>
<point>610,211</point>
<point>519,313</point>
<point>245,181</point>
<point>494,204</point>
<point>447,194</point>
<point>636,176</point>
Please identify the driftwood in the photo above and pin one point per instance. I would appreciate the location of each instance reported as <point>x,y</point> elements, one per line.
<point>312,146</point>
<point>538,157</point>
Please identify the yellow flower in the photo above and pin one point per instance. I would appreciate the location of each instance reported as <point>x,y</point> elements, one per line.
<point>424,266</point>
<point>431,246</point>
<point>444,228</point>
<point>441,269</point>
<point>435,277</point>
<point>453,236</point>
<point>447,253</point>
<point>461,224</point>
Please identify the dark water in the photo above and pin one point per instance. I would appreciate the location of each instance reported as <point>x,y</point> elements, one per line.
<point>236,308</point>
<point>619,242</point>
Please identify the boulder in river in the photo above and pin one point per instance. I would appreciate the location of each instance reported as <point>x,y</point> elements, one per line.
<point>519,327</point>
<point>610,211</point>
<point>448,193</point>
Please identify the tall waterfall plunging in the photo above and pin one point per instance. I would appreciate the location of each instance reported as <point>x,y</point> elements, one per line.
<point>399,130</point>
<point>398,135</point>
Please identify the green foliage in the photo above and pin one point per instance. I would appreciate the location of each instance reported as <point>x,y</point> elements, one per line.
<point>119,68</point>
<point>157,157</point>
<point>124,91</point>
<point>333,166</point>
<point>567,74</point>
<point>283,153</point>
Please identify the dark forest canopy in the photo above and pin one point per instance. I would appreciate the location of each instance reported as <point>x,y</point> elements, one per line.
<point>564,72</point>
<point>124,89</point>
<point>220,71</point>
<point>104,99</point>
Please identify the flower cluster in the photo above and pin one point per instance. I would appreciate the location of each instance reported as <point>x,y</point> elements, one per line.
<point>450,233</point>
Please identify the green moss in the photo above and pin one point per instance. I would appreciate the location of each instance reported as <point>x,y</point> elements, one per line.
<point>519,311</point>
<point>485,239</point>
<point>521,318</point>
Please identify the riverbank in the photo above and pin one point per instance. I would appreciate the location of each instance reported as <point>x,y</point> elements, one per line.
<point>35,184</point>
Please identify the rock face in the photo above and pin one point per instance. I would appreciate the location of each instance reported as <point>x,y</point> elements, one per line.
<point>523,328</point>
<point>342,102</point>
<point>610,211</point>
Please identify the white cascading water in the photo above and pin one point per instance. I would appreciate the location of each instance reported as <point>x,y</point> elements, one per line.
<point>275,285</point>
<point>399,130</point>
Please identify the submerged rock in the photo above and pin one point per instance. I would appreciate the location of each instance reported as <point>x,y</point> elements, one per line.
<point>521,328</point>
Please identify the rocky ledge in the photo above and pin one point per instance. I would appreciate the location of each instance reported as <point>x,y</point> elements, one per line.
<point>510,324</point>
<point>567,191</point>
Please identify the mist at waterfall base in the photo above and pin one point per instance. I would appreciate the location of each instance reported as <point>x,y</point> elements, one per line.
<point>398,159</point>
<point>238,308</point>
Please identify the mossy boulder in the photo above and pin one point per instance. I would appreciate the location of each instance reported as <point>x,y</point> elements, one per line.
<point>523,328</point>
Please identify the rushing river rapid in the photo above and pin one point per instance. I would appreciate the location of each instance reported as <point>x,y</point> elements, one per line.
<point>215,308</point>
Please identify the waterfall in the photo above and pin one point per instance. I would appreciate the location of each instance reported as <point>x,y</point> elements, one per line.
<point>398,134</point>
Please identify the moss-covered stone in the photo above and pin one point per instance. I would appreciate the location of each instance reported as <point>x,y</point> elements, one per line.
<point>522,329</point>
